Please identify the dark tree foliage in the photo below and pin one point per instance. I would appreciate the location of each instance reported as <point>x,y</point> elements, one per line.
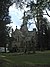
<point>4,20</point>
<point>48,38</point>
<point>41,24</point>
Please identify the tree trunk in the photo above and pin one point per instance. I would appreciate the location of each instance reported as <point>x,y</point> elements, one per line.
<point>5,48</point>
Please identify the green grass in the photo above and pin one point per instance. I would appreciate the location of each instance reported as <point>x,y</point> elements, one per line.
<point>38,58</point>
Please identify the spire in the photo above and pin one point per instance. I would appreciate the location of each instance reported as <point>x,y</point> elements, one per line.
<point>16,28</point>
<point>24,19</point>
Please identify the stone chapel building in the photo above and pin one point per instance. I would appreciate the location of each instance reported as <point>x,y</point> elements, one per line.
<point>22,37</point>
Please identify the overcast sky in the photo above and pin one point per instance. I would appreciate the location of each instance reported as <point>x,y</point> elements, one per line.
<point>16,17</point>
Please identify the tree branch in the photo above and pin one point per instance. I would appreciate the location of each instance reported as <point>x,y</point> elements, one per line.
<point>47,13</point>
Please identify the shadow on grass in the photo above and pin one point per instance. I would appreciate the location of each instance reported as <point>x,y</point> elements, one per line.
<point>4,63</point>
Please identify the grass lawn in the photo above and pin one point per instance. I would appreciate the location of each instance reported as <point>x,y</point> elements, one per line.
<point>38,58</point>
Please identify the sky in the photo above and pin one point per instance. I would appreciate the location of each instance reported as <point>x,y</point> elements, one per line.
<point>16,18</point>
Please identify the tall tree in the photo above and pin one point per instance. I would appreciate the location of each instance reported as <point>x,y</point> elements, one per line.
<point>4,20</point>
<point>41,24</point>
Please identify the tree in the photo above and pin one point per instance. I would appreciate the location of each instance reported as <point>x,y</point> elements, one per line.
<point>4,20</point>
<point>41,24</point>
<point>36,11</point>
